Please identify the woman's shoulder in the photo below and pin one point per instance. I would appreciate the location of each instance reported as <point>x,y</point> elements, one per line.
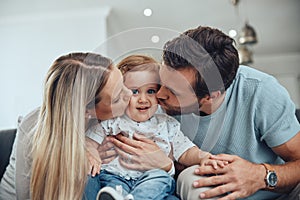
<point>29,121</point>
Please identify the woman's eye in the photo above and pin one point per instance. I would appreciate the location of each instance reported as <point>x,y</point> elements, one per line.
<point>151,91</point>
<point>135,91</point>
<point>116,100</point>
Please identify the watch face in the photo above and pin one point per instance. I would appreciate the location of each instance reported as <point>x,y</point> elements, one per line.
<point>272,179</point>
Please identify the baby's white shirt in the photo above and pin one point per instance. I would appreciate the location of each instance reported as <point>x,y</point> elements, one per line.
<point>163,129</point>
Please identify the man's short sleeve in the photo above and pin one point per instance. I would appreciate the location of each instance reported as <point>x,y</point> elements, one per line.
<point>275,113</point>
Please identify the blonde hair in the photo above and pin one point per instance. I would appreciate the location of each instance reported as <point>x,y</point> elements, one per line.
<point>138,63</point>
<point>59,165</point>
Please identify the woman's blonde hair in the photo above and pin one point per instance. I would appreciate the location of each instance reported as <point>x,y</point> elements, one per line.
<point>59,164</point>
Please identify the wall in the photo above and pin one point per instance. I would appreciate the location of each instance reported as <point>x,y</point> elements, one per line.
<point>285,67</point>
<point>30,43</point>
<point>33,33</point>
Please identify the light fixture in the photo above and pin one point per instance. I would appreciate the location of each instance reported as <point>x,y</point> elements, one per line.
<point>147,12</point>
<point>234,2</point>
<point>245,39</point>
<point>247,35</point>
<point>245,55</point>
<point>232,33</point>
<point>155,39</point>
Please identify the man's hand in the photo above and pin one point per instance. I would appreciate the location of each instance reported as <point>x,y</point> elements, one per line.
<point>140,153</point>
<point>240,178</point>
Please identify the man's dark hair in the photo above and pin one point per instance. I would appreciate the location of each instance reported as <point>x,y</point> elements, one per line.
<point>208,51</point>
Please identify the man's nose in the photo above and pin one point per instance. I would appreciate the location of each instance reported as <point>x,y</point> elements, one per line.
<point>162,93</point>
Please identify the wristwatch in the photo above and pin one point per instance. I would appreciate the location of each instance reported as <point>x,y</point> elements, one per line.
<point>271,178</point>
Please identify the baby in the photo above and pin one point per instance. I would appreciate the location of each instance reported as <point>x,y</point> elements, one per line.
<point>142,78</point>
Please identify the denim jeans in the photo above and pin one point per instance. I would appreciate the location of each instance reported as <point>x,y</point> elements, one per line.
<point>92,188</point>
<point>153,184</point>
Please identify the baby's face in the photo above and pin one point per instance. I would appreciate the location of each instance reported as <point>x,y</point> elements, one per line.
<point>143,103</point>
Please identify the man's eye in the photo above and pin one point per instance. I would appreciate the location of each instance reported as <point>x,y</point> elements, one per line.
<point>135,91</point>
<point>151,91</point>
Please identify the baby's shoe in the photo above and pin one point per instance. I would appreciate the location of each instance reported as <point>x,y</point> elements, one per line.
<point>109,193</point>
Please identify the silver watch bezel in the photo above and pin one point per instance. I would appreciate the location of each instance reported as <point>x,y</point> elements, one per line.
<point>269,179</point>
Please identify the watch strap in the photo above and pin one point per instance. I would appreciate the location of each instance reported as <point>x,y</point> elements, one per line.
<point>268,167</point>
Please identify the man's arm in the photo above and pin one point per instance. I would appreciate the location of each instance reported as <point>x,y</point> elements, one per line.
<point>242,178</point>
<point>288,174</point>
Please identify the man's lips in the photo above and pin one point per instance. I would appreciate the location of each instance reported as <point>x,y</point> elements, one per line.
<point>162,104</point>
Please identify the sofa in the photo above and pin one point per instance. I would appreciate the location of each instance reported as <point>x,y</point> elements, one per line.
<point>7,138</point>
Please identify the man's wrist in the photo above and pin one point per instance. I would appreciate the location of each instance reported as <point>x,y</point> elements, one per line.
<point>271,178</point>
<point>262,175</point>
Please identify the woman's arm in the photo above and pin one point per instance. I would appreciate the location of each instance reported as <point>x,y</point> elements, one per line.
<point>23,151</point>
<point>93,156</point>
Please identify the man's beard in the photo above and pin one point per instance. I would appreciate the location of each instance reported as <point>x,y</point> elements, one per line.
<point>177,110</point>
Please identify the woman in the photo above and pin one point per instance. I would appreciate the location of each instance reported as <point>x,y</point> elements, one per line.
<point>50,150</point>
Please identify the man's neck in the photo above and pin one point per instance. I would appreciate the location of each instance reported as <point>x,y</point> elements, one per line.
<point>210,108</point>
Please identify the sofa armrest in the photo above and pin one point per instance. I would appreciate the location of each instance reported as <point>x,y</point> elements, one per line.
<point>7,138</point>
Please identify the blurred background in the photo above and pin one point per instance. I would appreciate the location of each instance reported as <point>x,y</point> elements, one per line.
<point>34,33</point>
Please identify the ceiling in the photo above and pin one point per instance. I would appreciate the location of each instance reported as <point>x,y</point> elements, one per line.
<point>275,21</point>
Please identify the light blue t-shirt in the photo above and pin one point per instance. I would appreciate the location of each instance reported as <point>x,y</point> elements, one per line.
<point>257,114</point>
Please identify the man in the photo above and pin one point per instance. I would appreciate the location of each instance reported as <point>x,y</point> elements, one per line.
<point>235,111</point>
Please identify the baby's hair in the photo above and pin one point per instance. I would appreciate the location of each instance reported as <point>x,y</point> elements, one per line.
<point>138,63</point>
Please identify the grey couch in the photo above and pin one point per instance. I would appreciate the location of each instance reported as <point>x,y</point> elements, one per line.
<point>7,138</point>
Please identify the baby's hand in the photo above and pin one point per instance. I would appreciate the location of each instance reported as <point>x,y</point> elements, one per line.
<point>209,159</point>
<point>215,163</point>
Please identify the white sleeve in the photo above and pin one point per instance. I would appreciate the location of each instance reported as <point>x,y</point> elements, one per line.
<point>96,133</point>
<point>181,143</point>
<point>104,128</point>
<point>171,172</point>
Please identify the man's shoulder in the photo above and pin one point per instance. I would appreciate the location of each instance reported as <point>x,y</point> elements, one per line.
<point>250,81</point>
<point>252,74</point>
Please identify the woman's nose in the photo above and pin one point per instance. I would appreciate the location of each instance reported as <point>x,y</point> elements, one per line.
<point>128,94</point>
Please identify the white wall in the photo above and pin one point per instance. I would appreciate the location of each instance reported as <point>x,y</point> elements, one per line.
<point>286,68</point>
<point>29,45</point>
